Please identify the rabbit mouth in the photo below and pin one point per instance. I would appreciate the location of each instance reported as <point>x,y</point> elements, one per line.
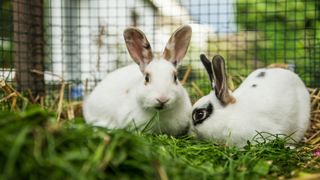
<point>160,107</point>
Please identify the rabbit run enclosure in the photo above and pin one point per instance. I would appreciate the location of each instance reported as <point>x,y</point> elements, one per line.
<point>46,42</point>
<point>54,52</point>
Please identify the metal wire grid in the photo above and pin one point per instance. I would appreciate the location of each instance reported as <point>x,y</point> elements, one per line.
<point>81,40</point>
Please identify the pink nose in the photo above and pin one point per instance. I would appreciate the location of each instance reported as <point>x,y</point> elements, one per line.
<point>163,99</point>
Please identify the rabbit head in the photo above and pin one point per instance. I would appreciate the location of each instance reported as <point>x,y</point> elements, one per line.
<point>159,88</point>
<point>212,106</point>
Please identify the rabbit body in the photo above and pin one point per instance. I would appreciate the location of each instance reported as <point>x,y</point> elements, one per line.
<point>121,99</point>
<point>274,101</point>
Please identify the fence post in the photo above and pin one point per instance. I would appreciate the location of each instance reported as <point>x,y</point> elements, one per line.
<point>29,46</point>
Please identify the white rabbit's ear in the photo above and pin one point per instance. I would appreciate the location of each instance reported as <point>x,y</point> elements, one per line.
<point>220,80</point>
<point>177,45</point>
<point>138,46</point>
<point>208,66</point>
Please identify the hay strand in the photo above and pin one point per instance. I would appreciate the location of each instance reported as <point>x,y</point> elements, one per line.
<point>197,89</point>
<point>11,94</point>
<point>186,75</point>
<point>60,101</point>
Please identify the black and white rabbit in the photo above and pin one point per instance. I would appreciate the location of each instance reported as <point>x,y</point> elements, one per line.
<point>270,100</point>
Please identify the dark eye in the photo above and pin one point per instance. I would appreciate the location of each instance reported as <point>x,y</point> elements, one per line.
<point>199,116</point>
<point>147,79</point>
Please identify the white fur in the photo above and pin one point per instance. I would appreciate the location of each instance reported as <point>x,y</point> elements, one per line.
<point>279,104</point>
<point>124,97</point>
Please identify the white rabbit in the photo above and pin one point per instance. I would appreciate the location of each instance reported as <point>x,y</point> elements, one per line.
<point>273,101</point>
<point>135,93</point>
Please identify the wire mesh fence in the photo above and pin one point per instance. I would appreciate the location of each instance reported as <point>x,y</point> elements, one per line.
<point>46,42</point>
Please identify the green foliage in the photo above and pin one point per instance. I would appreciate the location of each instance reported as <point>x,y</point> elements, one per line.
<point>6,29</point>
<point>290,31</point>
<point>34,146</point>
<point>6,54</point>
<point>6,17</point>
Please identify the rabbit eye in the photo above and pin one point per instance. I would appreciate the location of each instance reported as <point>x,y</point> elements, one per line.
<point>147,78</point>
<point>201,114</point>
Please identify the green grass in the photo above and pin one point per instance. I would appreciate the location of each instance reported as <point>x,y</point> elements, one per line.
<point>34,146</point>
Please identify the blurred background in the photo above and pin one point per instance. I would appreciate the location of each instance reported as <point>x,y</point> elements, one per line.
<point>47,43</point>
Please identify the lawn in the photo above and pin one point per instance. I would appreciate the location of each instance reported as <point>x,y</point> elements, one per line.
<point>54,142</point>
<point>35,146</point>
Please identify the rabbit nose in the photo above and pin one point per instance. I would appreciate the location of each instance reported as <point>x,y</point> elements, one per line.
<point>163,99</point>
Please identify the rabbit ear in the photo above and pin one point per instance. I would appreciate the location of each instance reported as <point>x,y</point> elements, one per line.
<point>138,46</point>
<point>220,80</point>
<point>177,45</point>
<point>208,66</point>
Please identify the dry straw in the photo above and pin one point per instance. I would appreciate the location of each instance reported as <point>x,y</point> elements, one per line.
<point>313,135</point>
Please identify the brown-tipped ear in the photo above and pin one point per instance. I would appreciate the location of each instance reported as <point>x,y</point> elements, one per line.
<point>177,45</point>
<point>208,66</point>
<point>220,79</point>
<point>138,46</point>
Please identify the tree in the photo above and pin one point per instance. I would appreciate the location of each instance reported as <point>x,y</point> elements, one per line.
<point>28,46</point>
<point>291,33</point>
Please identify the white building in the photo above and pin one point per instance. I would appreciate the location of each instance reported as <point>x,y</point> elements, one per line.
<point>85,36</point>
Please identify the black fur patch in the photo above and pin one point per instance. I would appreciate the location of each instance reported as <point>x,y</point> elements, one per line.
<point>261,74</point>
<point>254,85</point>
<point>201,114</point>
<point>208,66</point>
